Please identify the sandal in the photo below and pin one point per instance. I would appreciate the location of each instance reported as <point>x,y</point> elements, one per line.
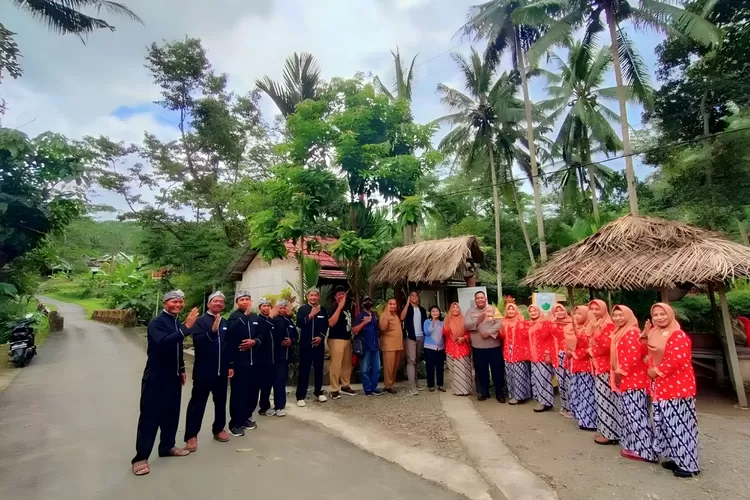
<point>176,452</point>
<point>141,468</point>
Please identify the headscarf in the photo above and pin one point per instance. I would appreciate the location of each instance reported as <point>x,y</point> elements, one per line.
<point>214,295</point>
<point>507,320</point>
<point>658,337</point>
<point>599,323</point>
<point>534,324</point>
<point>571,339</point>
<point>567,320</point>
<point>631,323</point>
<point>241,293</point>
<point>454,323</point>
<point>174,294</point>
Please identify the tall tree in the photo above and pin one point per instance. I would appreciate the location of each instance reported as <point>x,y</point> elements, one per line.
<point>475,118</point>
<point>701,86</point>
<point>41,189</point>
<point>563,17</point>
<point>402,89</point>
<point>402,81</point>
<point>300,81</point>
<point>575,94</point>
<point>222,140</point>
<point>493,21</point>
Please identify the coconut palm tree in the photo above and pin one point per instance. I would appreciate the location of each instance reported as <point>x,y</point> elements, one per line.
<point>562,18</point>
<point>402,82</point>
<point>493,21</point>
<point>66,17</point>
<point>476,118</point>
<point>575,94</point>
<point>301,81</point>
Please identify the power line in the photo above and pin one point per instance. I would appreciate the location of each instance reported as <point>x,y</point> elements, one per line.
<point>582,166</point>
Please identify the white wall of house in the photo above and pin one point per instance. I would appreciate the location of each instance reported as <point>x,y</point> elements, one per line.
<point>262,278</point>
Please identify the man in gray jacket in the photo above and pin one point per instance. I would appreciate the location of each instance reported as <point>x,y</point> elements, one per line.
<point>486,347</point>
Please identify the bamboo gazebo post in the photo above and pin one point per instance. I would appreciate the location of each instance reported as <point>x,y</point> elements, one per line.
<point>730,348</point>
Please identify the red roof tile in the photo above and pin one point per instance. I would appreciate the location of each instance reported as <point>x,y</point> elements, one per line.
<point>325,259</point>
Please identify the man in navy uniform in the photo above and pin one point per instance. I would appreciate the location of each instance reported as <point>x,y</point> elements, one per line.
<point>312,321</point>
<point>284,337</point>
<point>242,339</point>
<point>161,386</point>
<point>209,373</point>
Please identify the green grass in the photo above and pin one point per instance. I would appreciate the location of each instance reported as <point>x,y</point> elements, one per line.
<point>89,304</point>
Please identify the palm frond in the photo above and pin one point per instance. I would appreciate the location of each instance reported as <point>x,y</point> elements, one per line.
<point>380,87</point>
<point>689,24</point>
<point>65,16</point>
<point>634,70</point>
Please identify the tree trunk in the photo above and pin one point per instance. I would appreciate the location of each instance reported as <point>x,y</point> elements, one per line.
<point>302,290</point>
<point>629,172</point>
<point>521,58</point>
<point>496,202</point>
<point>586,157</point>
<point>521,220</point>
<point>743,233</point>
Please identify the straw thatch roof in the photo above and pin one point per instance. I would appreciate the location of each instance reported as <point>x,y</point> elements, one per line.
<point>644,253</point>
<point>428,261</point>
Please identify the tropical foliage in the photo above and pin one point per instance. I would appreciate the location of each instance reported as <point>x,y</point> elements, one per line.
<point>349,161</point>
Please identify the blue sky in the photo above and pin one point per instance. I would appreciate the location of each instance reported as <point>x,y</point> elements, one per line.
<point>102,87</point>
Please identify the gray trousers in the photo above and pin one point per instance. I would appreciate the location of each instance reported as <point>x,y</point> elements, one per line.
<point>413,353</point>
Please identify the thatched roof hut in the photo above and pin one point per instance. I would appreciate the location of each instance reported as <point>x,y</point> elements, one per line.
<point>429,261</point>
<point>636,252</point>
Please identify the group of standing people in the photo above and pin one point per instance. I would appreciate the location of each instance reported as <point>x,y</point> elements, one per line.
<point>634,388</point>
<point>249,352</point>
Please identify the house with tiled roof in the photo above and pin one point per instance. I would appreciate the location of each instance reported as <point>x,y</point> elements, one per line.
<point>250,272</point>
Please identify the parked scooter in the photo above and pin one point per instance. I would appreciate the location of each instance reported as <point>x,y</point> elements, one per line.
<point>22,346</point>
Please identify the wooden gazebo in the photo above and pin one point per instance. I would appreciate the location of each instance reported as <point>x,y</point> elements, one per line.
<point>647,253</point>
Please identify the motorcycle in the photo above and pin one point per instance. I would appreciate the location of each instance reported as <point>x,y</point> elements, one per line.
<point>22,347</point>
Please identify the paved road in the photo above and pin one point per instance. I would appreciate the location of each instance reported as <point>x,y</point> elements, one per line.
<point>67,431</point>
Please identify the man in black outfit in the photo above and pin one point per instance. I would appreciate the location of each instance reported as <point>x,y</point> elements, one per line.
<point>312,321</point>
<point>284,336</point>
<point>242,340</point>
<point>266,355</point>
<point>161,386</point>
<point>209,373</point>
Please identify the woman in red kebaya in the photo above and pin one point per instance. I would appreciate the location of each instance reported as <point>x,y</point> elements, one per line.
<point>562,320</point>
<point>582,401</point>
<point>671,368</point>
<point>517,355</point>
<point>543,359</point>
<point>630,381</point>
<point>600,342</point>
<point>458,349</point>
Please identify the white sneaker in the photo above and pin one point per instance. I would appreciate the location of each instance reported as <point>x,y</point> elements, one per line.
<point>270,412</point>
<point>281,413</point>
<point>301,403</point>
<point>322,398</point>
<point>413,392</point>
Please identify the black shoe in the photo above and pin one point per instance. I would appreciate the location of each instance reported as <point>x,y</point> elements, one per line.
<point>482,398</point>
<point>589,429</point>
<point>390,391</point>
<point>683,473</point>
<point>441,389</point>
<point>335,395</point>
<point>237,431</point>
<point>669,465</point>
<point>250,425</point>
<point>542,408</point>
<point>501,399</point>
<point>348,391</point>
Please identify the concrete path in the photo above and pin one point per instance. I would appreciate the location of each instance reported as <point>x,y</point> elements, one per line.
<point>67,431</point>
<point>490,455</point>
